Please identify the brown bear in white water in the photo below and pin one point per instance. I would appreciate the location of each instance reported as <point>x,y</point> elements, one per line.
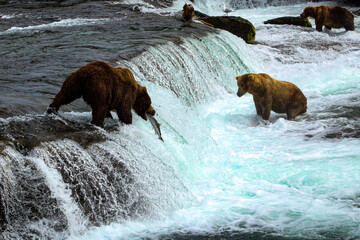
<point>105,88</point>
<point>330,17</point>
<point>271,94</point>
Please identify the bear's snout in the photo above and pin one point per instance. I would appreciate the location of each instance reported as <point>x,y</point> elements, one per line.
<point>240,93</point>
<point>150,111</point>
<point>302,15</point>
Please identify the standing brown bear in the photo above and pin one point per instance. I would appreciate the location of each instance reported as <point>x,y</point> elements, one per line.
<point>271,94</point>
<point>105,88</point>
<point>188,12</point>
<point>330,17</point>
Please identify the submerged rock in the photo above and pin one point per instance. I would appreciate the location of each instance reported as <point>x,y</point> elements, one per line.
<point>297,21</point>
<point>236,25</point>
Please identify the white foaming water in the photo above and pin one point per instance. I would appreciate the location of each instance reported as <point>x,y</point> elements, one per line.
<point>287,177</point>
<point>7,16</point>
<point>61,23</point>
<point>77,222</point>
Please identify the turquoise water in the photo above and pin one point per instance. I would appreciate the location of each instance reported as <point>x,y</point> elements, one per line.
<point>225,169</point>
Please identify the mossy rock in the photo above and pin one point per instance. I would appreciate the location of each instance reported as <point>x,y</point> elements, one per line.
<point>297,21</point>
<point>236,25</point>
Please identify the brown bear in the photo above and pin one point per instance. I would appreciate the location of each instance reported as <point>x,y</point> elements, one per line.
<point>188,12</point>
<point>330,17</point>
<point>270,94</point>
<point>105,88</point>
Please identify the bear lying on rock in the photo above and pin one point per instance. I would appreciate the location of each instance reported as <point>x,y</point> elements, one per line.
<point>330,17</point>
<point>105,88</point>
<point>270,94</point>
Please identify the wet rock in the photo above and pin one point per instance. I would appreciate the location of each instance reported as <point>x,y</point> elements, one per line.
<point>297,21</point>
<point>3,221</point>
<point>236,25</point>
<point>357,12</point>
<point>27,202</point>
<point>200,14</point>
<point>352,2</point>
<point>99,181</point>
<point>26,134</point>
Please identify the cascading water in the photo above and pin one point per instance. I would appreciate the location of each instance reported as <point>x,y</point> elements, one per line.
<point>213,7</point>
<point>168,66</point>
<point>84,184</point>
<point>221,172</point>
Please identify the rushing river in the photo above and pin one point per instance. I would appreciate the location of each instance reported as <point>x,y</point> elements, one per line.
<point>221,172</point>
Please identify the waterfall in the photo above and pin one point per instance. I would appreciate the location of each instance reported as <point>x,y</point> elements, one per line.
<point>213,7</point>
<point>262,3</point>
<point>60,175</point>
<point>221,172</point>
<point>194,69</point>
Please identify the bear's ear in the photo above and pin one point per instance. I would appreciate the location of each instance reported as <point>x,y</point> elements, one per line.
<point>246,79</point>
<point>311,11</point>
<point>243,79</point>
<point>305,13</point>
<point>142,91</point>
<point>250,77</point>
<point>239,80</point>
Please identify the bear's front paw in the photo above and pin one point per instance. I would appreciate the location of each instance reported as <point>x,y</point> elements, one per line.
<point>51,110</point>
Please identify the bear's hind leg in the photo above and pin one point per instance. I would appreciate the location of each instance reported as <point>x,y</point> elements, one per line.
<point>291,115</point>
<point>70,90</point>
<point>108,115</point>
<point>98,115</point>
<point>266,113</point>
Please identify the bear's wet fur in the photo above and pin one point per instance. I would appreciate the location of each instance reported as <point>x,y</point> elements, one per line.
<point>330,17</point>
<point>271,94</point>
<point>105,88</point>
<point>188,12</point>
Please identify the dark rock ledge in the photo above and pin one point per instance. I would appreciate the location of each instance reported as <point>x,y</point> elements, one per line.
<point>236,25</point>
<point>297,21</point>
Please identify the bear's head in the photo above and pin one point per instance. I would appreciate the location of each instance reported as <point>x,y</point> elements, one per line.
<point>243,82</point>
<point>188,12</point>
<point>142,105</point>
<point>309,12</point>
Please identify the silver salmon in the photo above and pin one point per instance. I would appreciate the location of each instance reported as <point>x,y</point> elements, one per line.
<point>155,125</point>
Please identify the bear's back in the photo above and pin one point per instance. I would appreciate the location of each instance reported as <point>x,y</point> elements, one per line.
<point>104,81</point>
<point>278,87</point>
<point>127,77</point>
<point>103,72</point>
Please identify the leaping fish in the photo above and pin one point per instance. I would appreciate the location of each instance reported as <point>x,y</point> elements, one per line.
<point>155,125</point>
